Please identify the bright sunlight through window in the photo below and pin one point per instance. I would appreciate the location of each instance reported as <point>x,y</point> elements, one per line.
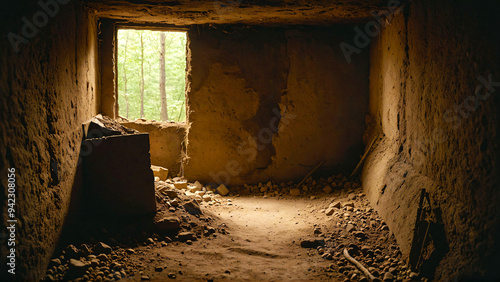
<point>152,75</point>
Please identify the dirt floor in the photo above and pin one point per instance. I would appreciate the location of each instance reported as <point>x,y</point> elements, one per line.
<point>267,236</point>
<point>262,243</point>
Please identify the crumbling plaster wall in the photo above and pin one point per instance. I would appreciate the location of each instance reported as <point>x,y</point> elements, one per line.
<point>441,129</point>
<point>272,103</point>
<point>166,143</point>
<point>47,91</point>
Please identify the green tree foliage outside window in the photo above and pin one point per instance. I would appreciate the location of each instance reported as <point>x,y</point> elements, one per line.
<point>139,56</point>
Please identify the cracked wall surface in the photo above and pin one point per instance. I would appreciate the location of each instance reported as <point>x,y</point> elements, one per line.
<point>271,103</point>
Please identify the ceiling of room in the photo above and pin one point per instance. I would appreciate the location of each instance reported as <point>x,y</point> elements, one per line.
<point>257,12</point>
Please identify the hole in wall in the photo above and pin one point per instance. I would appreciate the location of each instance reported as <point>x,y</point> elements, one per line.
<point>151,74</point>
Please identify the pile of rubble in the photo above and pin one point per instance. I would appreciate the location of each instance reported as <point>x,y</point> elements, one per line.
<point>107,253</point>
<point>353,227</point>
<point>211,195</point>
<point>170,189</point>
<point>309,187</point>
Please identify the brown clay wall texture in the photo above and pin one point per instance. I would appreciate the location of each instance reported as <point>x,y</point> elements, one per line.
<point>166,143</point>
<point>272,103</point>
<point>429,93</point>
<point>47,91</point>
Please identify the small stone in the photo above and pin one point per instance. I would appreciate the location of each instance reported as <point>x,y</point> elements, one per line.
<point>327,256</point>
<point>327,189</point>
<point>150,241</point>
<point>207,198</point>
<point>174,202</point>
<point>199,193</point>
<point>312,242</point>
<point>170,193</point>
<point>350,228</point>
<point>101,248</point>
<point>116,265</point>
<point>159,172</point>
<point>222,190</point>
<point>335,204</point>
<point>159,269</point>
<point>359,234</point>
<point>171,275</point>
<point>168,240</point>
<point>76,269</point>
<point>185,236</point>
<point>55,262</point>
<point>317,230</point>
<point>210,229</point>
<point>117,275</point>
<point>198,186</point>
<point>348,204</point>
<point>413,275</point>
<point>388,276</point>
<point>192,207</point>
<point>85,250</point>
<point>294,192</point>
<point>198,199</point>
<point>329,211</point>
<point>144,277</point>
<point>94,262</point>
<point>180,185</point>
<point>71,252</point>
<point>169,223</point>
<point>102,257</point>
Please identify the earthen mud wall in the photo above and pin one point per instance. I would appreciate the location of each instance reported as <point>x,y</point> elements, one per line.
<point>272,103</point>
<point>434,75</point>
<point>48,89</point>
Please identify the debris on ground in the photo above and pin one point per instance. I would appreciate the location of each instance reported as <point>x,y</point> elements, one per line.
<point>184,217</point>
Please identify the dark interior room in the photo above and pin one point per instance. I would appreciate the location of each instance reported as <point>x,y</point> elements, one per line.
<point>250,140</point>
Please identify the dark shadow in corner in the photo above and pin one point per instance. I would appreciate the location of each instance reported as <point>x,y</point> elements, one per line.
<point>440,244</point>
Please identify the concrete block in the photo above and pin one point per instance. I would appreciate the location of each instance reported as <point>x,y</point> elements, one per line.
<point>117,175</point>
